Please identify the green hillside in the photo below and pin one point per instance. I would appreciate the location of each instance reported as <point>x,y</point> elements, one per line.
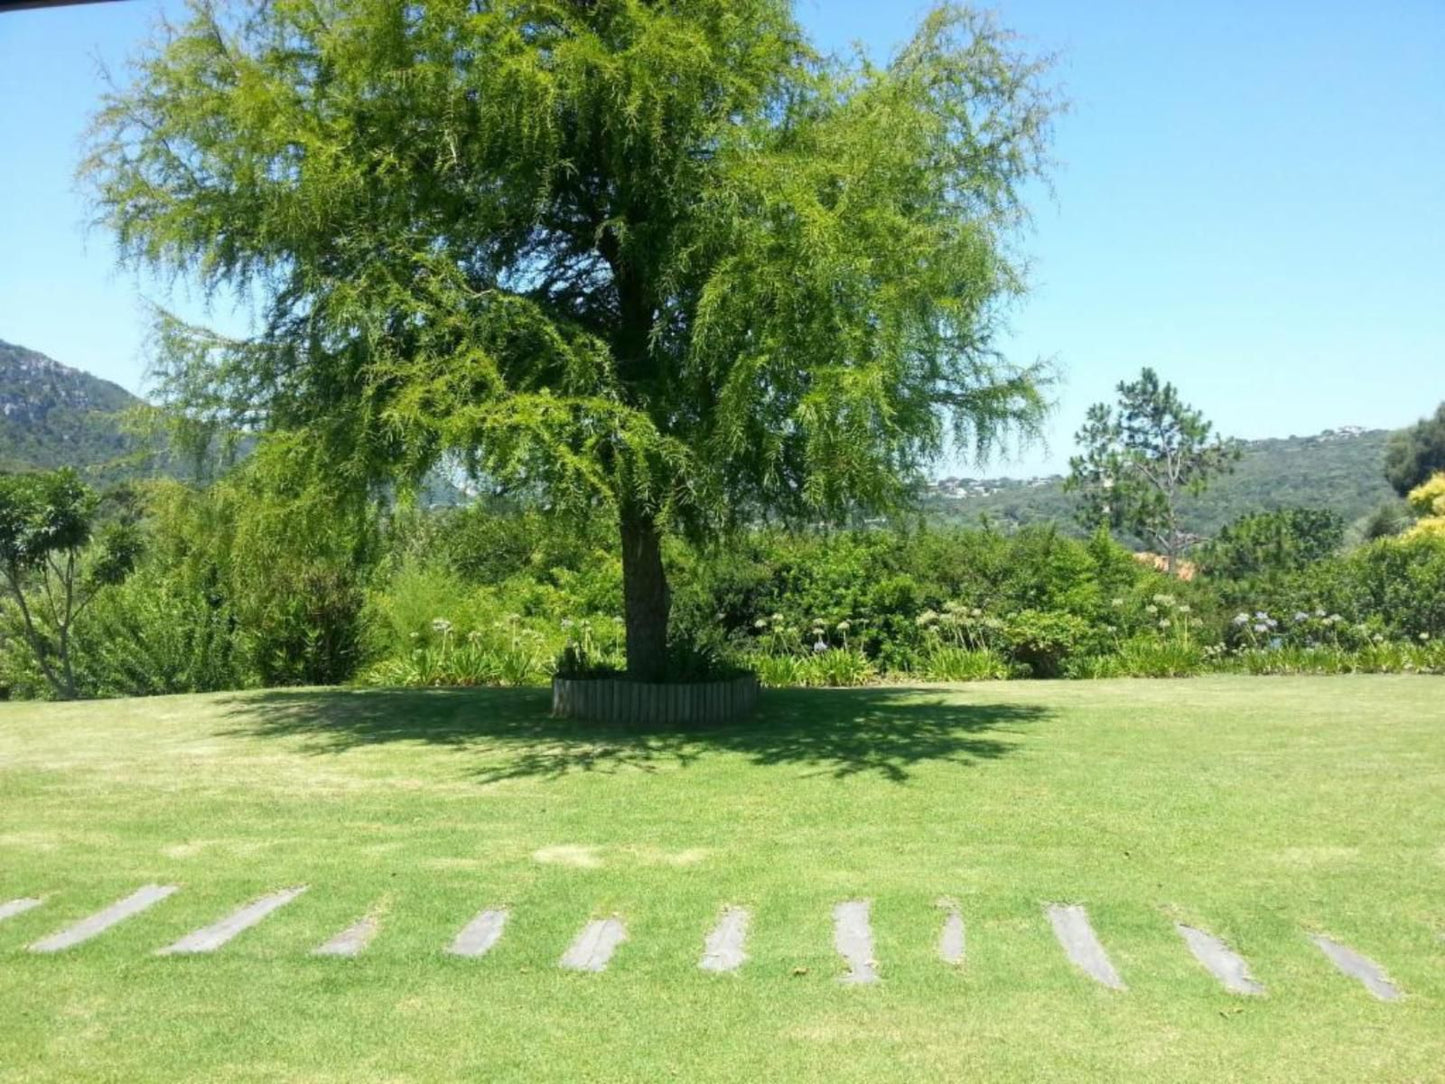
<point>1340,470</point>
<point>54,416</point>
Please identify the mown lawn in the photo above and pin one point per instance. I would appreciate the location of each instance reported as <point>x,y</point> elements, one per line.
<point>1260,809</point>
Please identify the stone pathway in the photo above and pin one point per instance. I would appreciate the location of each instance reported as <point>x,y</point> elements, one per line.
<point>594,945</point>
<point>951,940</point>
<point>1351,963</point>
<point>1223,963</point>
<point>1081,945</point>
<point>480,934</point>
<point>11,908</point>
<point>724,948</point>
<point>352,940</point>
<point>98,923</point>
<point>853,938</point>
<point>210,938</point>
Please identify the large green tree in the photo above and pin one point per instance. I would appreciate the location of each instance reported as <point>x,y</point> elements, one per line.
<point>1140,457</point>
<point>658,260</point>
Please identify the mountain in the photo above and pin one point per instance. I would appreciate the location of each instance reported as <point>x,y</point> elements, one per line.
<point>54,416</point>
<point>1339,469</point>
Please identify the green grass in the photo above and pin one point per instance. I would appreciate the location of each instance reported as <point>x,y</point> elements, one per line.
<point>1261,809</point>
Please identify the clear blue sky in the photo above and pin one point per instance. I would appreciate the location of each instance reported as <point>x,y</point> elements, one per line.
<point>1251,198</point>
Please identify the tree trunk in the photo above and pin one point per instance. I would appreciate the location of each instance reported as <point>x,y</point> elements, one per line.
<point>646,601</point>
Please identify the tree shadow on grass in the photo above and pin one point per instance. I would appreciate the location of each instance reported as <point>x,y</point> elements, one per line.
<point>841,732</point>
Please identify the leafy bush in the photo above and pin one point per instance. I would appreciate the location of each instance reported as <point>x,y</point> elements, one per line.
<point>838,668</point>
<point>506,653</point>
<point>1397,585</point>
<point>947,663</point>
<point>1271,543</point>
<point>1043,640</point>
<point>778,671</point>
<point>253,583</point>
<point>151,636</point>
<point>1148,657</point>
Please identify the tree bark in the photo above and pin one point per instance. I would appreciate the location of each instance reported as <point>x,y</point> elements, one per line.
<point>646,600</point>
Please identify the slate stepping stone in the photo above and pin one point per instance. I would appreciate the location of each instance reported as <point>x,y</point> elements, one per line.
<point>85,929</point>
<point>1351,963</point>
<point>479,935</point>
<point>1222,962</point>
<point>853,938</point>
<point>11,908</point>
<point>951,942</point>
<point>723,951</point>
<point>210,938</point>
<point>352,940</point>
<point>1081,945</point>
<point>595,945</point>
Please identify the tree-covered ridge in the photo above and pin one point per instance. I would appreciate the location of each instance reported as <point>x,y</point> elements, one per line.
<point>53,416</point>
<point>1341,471</point>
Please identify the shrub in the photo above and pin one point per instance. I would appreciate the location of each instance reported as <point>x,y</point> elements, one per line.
<point>153,635</point>
<point>947,663</point>
<point>837,668</point>
<point>1396,584</point>
<point>778,671</point>
<point>1271,543</point>
<point>1150,657</point>
<point>1043,641</point>
<point>1428,501</point>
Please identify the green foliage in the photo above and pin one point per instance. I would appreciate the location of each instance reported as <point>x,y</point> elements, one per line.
<point>659,259</point>
<point>1043,640</point>
<point>1333,471</point>
<point>503,653</point>
<point>1140,457</point>
<point>833,668</point>
<point>257,580</point>
<point>52,570</point>
<point>1150,657</point>
<point>154,635</point>
<point>1398,585</point>
<point>945,663</point>
<point>1272,543</point>
<point>1414,454</point>
<point>292,553</point>
<point>1391,518</point>
<point>423,604</point>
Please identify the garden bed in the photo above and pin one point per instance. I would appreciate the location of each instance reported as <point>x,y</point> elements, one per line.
<point>617,700</point>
